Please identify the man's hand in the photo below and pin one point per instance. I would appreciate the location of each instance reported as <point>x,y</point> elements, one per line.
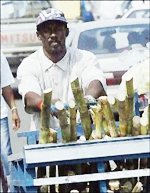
<point>15,119</point>
<point>96,89</point>
<point>89,99</point>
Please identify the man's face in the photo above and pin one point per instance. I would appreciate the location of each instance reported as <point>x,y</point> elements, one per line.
<point>53,35</point>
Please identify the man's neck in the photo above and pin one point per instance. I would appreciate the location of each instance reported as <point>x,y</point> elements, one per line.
<point>55,57</point>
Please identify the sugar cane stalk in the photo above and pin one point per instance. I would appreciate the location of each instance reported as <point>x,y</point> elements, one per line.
<point>65,131</point>
<point>113,102</point>
<point>131,164</point>
<point>98,122</point>
<point>81,105</point>
<point>129,102</point>
<point>97,116</point>
<point>144,126</point>
<point>76,169</point>
<point>105,127</point>
<point>47,135</point>
<point>144,121</point>
<point>63,121</point>
<point>103,101</point>
<point>73,130</point>
<point>123,124</point>
<point>45,117</point>
<point>135,132</point>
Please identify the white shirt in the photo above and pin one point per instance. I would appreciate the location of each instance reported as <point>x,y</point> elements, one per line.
<point>6,80</point>
<point>37,73</point>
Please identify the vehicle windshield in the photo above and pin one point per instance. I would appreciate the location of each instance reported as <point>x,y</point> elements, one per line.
<point>113,39</point>
<point>22,9</point>
<point>143,13</point>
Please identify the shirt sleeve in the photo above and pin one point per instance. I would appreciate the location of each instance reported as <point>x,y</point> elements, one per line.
<point>6,74</point>
<point>140,74</point>
<point>27,75</point>
<point>91,70</point>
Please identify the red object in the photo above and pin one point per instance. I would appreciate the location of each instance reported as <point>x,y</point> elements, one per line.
<point>39,105</point>
<point>117,78</point>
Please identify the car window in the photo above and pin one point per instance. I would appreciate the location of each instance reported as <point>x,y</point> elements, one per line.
<point>140,14</point>
<point>112,39</point>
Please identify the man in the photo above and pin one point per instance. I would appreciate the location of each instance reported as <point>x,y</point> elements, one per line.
<point>7,97</point>
<point>54,65</point>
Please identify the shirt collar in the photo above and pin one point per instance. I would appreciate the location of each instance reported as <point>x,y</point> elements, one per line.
<point>63,63</point>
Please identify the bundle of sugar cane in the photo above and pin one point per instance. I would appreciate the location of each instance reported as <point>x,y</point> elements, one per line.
<point>47,135</point>
<point>77,168</point>
<point>130,164</point>
<point>129,102</point>
<point>73,112</point>
<point>108,114</point>
<point>63,117</point>
<point>67,121</point>
<point>81,105</point>
<point>97,117</point>
<point>120,106</point>
<point>123,124</point>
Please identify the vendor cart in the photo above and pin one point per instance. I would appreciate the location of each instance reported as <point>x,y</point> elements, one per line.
<point>23,165</point>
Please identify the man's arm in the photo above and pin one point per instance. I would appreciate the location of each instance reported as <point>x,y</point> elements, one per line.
<point>8,95</point>
<point>33,102</point>
<point>96,89</point>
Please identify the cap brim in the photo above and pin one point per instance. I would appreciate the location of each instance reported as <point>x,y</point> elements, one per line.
<point>62,21</point>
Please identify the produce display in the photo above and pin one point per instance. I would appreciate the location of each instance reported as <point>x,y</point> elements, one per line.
<point>99,113</point>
